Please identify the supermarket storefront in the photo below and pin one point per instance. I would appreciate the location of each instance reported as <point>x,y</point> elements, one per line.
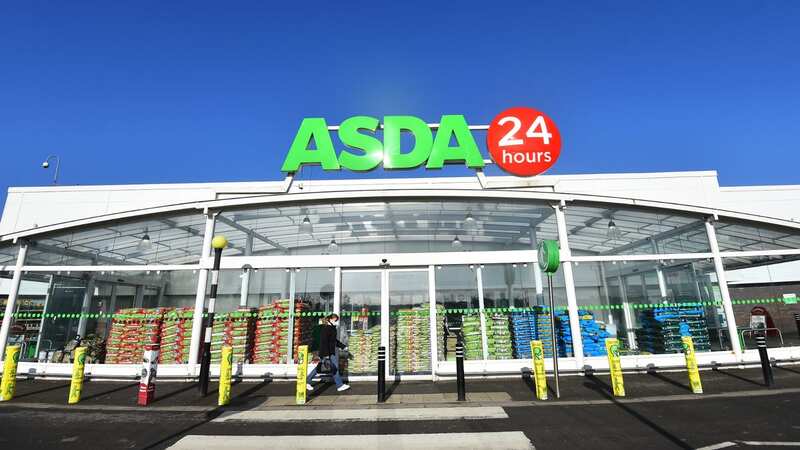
<point>405,268</point>
<point>406,263</point>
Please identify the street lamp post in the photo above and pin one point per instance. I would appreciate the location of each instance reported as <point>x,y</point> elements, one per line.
<point>46,164</point>
<point>218,243</point>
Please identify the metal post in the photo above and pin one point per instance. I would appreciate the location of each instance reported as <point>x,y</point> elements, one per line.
<point>205,364</point>
<point>766,368</point>
<point>381,374</point>
<point>553,334</point>
<point>462,395</point>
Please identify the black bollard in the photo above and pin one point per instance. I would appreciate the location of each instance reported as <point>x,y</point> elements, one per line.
<point>381,374</point>
<point>797,323</point>
<point>462,395</point>
<point>766,368</point>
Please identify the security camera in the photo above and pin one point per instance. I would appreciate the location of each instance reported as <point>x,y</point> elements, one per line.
<point>384,261</point>
<point>45,165</point>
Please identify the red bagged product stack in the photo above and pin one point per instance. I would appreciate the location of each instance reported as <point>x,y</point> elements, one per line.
<point>303,326</point>
<point>234,329</point>
<point>176,336</point>
<point>272,333</point>
<point>131,329</point>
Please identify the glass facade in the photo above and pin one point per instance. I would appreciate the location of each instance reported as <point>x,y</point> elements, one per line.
<point>497,301</point>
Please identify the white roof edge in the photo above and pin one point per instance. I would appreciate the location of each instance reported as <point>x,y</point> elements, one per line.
<point>542,180</point>
<point>768,187</point>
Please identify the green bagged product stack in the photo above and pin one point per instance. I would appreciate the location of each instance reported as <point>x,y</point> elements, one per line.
<point>498,336</point>
<point>272,333</point>
<point>176,336</point>
<point>234,329</point>
<point>440,337</point>
<point>471,328</point>
<point>363,346</point>
<point>410,337</point>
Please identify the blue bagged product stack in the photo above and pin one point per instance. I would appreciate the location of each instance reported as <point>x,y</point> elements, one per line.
<point>662,328</point>
<point>541,329</point>
<point>523,330</point>
<point>593,334</point>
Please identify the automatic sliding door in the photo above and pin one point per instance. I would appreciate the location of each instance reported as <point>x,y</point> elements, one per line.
<point>409,322</point>
<point>360,315</point>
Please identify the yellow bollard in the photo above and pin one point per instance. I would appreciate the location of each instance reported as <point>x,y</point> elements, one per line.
<point>612,349</point>
<point>76,387</point>
<point>302,372</point>
<point>225,368</point>
<point>9,384</point>
<point>691,365</point>
<point>537,350</point>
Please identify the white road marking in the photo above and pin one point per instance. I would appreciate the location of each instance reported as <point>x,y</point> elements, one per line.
<point>438,441</point>
<point>364,415</point>
<point>776,444</point>
<point>718,446</point>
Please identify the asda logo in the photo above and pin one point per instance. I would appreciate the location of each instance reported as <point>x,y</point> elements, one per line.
<point>521,141</point>
<point>363,151</point>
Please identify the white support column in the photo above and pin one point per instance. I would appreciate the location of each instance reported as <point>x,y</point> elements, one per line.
<point>604,284</point>
<point>292,294</point>
<point>722,279</point>
<point>627,314</point>
<point>385,319</point>
<point>662,284</point>
<point>434,330</point>
<point>248,251</point>
<point>200,297</point>
<point>11,303</point>
<point>86,306</point>
<point>569,281</point>
<point>481,314</point>
<point>337,290</point>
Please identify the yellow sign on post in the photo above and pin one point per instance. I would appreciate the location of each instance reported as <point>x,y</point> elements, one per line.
<point>537,350</point>
<point>9,384</point>
<point>302,372</point>
<point>225,368</point>
<point>76,387</point>
<point>691,365</point>
<point>612,349</point>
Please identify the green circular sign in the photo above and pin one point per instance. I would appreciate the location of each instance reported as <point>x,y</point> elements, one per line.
<point>549,258</point>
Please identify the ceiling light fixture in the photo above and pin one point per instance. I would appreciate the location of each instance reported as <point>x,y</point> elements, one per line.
<point>306,226</point>
<point>456,243</point>
<point>145,243</point>
<point>333,246</point>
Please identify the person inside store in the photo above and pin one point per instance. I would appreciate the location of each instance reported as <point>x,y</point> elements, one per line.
<point>329,360</point>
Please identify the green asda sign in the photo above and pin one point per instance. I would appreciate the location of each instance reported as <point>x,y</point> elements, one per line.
<point>452,144</point>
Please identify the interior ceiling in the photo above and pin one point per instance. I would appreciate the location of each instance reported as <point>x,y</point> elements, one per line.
<point>278,230</point>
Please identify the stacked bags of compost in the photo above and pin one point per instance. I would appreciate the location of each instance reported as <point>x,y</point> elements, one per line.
<point>662,328</point>
<point>271,339</point>
<point>176,336</point>
<point>131,330</point>
<point>235,329</point>
<point>363,346</point>
<point>411,338</point>
<point>498,336</point>
<point>471,329</point>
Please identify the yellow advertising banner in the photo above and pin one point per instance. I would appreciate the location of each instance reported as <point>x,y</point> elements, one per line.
<point>302,372</point>
<point>225,369</point>
<point>691,365</point>
<point>76,387</point>
<point>537,350</point>
<point>9,384</point>
<point>612,349</point>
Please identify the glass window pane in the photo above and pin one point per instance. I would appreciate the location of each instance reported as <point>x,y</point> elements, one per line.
<point>736,236</point>
<point>517,311</point>
<point>765,292</point>
<point>457,310</point>
<point>409,322</point>
<point>360,326</point>
<point>647,311</point>
<point>615,230</point>
<point>386,227</point>
<point>175,239</point>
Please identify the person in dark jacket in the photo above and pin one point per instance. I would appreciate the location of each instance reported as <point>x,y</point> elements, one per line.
<point>327,349</point>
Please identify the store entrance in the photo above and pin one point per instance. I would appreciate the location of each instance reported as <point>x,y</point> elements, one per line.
<point>390,308</point>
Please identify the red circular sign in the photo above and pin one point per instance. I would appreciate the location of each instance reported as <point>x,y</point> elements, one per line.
<point>523,141</point>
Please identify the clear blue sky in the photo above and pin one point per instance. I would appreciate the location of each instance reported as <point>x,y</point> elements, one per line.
<point>152,92</point>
